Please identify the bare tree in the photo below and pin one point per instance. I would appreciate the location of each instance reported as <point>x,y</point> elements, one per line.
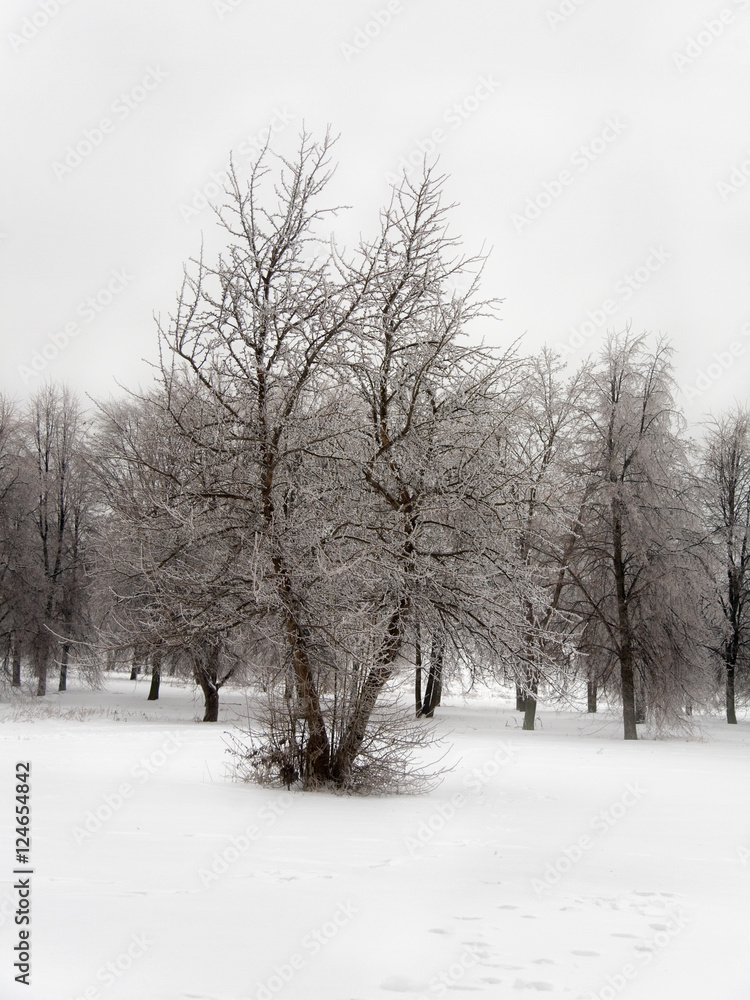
<point>637,566</point>
<point>549,494</point>
<point>54,468</point>
<point>726,491</point>
<point>167,578</point>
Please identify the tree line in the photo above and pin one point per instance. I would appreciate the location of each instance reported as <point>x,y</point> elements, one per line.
<point>333,481</point>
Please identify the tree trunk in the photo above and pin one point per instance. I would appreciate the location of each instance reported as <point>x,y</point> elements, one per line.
<point>206,669</point>
<point>317,749</point>
<point>16,667</point>
<point>153,693</point>
<point>520,698</point>
<point>731,709</point>
<point>211,697</point>
<point>65,653</point>
<point>529,711</point>
<point>591,693</point>
<point>359,716</point>
<point>434,679</point>
<point>627,675</point>
<point>627,684</point>
<point>418,676</point>
<point>41,677</point>
<point>134,671</point>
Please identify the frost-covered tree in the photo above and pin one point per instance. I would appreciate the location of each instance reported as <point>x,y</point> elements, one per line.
<point>343,433</point>
<point>54,469</point>
<point>167,572</point>
<point>549,493</point>
<point>726,497</point>
<point>637,566</point>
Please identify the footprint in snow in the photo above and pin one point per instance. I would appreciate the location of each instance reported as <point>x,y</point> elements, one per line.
<point>521,985</point>
<point>586,954</point>
<point>507,906</point>
<point>436,930</point>
<point>542,961</point>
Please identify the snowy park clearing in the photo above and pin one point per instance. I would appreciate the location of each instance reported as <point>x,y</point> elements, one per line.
<point>565,861</point>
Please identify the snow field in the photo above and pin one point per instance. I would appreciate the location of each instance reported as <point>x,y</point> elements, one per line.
<point>564,862</point>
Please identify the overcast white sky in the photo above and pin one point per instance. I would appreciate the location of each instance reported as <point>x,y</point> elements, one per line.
<point>515,88</point>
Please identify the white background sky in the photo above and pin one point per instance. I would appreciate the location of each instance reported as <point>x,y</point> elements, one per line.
<point>225,71</point>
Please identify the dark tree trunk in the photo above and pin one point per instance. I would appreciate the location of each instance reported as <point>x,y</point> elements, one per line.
<point>529,709</point>
<point>731,709</point>
<point>520,698</point>
<point>418,676</point>
<point>16,667</point>
<point>211,696</point>
<point>134,671</point>
<point>206,669</point>
<point>627,673</point>
<point>41,677</point>
<point>153,693</point>
<point>64,654</point>
<point>317,749</point>
<point>627,682</point>
<point>434,686</point>
<point>591,693</point>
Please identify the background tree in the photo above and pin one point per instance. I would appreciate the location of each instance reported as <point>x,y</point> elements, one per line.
<point>549,494</point>
<point>170,576</point>
<point>726,493</point>
<point>53,466</point>
<point>637,566</point>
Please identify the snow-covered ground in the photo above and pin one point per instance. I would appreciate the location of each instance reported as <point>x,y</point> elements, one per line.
<point>565,862</point>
